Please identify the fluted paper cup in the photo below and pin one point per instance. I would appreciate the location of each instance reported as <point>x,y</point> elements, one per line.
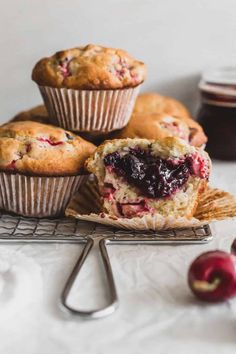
<point>147,222</point>
<point>37,196</point>
<point>213,205</point>
<point>89,110</point>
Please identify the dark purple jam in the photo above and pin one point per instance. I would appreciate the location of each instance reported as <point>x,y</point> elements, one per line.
<point>153,176</point>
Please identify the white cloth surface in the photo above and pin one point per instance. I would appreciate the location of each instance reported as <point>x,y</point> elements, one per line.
<point>157,312</point>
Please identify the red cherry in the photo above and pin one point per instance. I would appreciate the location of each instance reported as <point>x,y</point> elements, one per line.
<point>233,247</point>
<point>212,276</point>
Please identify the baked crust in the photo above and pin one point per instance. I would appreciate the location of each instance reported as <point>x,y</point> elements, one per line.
<point>36,114</point>
<point>151,102</point>
<point>38,149</point>
<point>154,126</point>
<point>151,108</point>
<point>90,67</point>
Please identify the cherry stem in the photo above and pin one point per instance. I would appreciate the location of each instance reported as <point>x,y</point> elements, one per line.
<point>203,285</point>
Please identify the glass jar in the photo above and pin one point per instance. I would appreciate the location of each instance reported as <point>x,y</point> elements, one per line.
<point>217,113</point>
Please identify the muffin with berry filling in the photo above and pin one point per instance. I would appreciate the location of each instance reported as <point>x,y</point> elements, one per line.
<point>41,166</point>
<point>148,108</point>
<point>89,88</point>
<point>137,177</point>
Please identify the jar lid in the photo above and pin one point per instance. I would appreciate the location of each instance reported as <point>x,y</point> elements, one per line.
<point>225,75</point>
<point>220,81</point>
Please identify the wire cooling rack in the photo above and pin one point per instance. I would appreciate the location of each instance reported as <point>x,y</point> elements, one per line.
<point>28,230</point>
<point>18,228</point>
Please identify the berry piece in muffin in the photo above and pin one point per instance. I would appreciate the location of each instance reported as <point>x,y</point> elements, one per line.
<point>140,176</point>
<point>38,149</point>
<point>149,105</point>
<point>90,67</point>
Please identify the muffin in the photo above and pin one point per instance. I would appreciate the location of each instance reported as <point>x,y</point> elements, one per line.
<point>36,114</point>
<point>138,177</point>
<point>154,126</point>
<point>151,102</point>
<point>89,88</point>
<point>155,116</point>
<point>40,114</point>
<point>41,166</point>
<point>161,125</point>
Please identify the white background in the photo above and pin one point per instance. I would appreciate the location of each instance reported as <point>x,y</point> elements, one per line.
<point>175,38</point>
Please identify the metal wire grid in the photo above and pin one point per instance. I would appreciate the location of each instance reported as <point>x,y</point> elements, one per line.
<point>17,227</point>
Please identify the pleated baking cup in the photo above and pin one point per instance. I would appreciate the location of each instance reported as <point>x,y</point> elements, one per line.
<point>89,110</point>
<point>214,204</point>
<point>37,196</point>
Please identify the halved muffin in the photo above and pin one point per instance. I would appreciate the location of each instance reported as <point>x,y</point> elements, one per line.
<point>139,176</point>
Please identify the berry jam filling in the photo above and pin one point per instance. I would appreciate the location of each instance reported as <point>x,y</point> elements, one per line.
<point>53,143</point>
<point>155,177</point>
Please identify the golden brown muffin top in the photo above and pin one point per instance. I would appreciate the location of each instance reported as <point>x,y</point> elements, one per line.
<point>90,67</point>
<point>38,149</point>
<point>154,126</point>
<point>151,102</point>
<point>151,108</point>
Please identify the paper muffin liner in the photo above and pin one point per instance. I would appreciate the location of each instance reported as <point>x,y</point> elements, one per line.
<point>213,205</point>
<point>37,196</point>
<point>89,110</point>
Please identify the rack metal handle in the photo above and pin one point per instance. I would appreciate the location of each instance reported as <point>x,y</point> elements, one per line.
<point>113,304</point>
